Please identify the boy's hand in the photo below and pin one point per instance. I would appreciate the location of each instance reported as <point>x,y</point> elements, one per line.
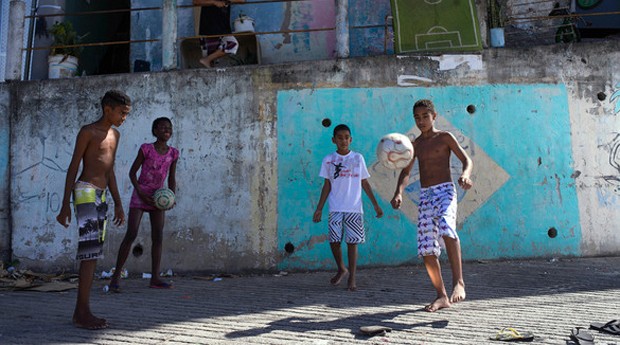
<point>397,200</point>
<point>64,217</point>
<point>465,182</point>
<point>119,215</point>
<point>317,216</point>
<point>379,211</point>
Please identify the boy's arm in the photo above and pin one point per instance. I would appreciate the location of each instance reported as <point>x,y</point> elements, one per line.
<point>465,180</point>
<point>327,187</point>
<point>403,180</point>
<point>81,143</point>
<point>368,189</point>
<point>119,213</point>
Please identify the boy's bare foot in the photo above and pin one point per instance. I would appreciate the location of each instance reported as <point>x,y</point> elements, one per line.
<point>351,286</point>
<point>458,293</point>
<point>439,303</point>
<point>338,277</point>
<point>89,322</point>
<point>158,284</point>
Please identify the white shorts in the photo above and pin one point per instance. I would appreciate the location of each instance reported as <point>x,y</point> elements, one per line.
<point>351,224</point>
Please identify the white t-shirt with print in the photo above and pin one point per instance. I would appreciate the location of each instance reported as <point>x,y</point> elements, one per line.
<point>345,173</point>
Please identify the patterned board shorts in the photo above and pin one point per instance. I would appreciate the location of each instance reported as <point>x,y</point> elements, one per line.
<point>436,218</point>
<point>227,44</point>
<point>352,224</point>
<point>91,212</point>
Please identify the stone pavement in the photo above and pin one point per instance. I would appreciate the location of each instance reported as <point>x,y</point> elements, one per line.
<point>547,297</point>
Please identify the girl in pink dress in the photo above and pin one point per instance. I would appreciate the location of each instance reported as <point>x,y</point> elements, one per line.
<point>155,161</point>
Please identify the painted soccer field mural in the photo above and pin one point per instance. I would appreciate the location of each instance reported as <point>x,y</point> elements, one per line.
<point>523,203</point>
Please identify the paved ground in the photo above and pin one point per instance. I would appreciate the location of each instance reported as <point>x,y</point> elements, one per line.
<point>545,297</point>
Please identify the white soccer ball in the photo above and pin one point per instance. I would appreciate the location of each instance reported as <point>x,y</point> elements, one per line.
<point>395,151</point>
<point>163,198</point>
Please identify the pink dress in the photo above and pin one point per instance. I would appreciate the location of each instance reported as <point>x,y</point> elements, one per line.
<point>153,173</point>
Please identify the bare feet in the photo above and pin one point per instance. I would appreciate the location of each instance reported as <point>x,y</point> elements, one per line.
<point>351,286</point>
<point>89,322</point>
<point>439,303</point>
<point>338,277</point>
<point>158,284</point>
<point>458,293</point>
<point>114,287</point>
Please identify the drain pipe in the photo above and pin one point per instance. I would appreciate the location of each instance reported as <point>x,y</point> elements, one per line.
<point>342,29</point>
<point>15,40</point>
<point>169,35</point>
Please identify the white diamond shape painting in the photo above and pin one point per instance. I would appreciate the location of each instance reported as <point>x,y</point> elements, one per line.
<point>487,175</point>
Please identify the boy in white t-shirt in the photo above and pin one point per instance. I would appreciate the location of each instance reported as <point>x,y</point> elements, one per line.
<point>345,175</point>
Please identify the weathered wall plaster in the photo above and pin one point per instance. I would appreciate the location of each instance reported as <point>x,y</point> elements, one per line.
<point>251,140</point>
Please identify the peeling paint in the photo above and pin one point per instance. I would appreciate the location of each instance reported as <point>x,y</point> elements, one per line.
<point>450,62</point>
<point>412,80</point>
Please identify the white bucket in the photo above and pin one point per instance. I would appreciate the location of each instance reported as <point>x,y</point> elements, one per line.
<point>61,66</point>
<point>244,24</point>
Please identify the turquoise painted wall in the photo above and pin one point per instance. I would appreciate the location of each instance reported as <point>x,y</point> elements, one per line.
<point>519,139</point>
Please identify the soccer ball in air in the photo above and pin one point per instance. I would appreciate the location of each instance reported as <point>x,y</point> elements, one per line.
<point>163,198</point>
<point>395,151</point>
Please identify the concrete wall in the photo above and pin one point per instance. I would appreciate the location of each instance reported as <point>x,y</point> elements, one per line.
<point>275,17</point>
<point>147,25</point>
<point>544,139</point>
<point>5,130</point>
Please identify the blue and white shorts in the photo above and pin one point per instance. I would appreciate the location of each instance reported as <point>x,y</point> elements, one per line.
<point>436,217</point>
<point>349,223</point>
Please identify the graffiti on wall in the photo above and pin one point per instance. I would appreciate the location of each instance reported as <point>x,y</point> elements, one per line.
<point>614,146</point>
<point>615,98</point>
<point>523,184</point>
<point>52,199</point>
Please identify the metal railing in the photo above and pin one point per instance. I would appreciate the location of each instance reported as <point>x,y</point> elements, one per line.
<point>34,16</point>
<point>546,22</point>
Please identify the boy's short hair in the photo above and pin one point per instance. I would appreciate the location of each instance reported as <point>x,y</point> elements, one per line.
<point>425,103</point>
<point>114,98</point>
<point>159,120</point>
<point>341,127</point>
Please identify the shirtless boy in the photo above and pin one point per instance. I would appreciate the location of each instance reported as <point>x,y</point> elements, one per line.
<point>438,202</point>
<point>95,148</point>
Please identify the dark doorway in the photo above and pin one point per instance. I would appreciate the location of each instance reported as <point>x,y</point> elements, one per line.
<point>108,26</point>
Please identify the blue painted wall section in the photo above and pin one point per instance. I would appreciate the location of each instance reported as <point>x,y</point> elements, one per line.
<point>518,137</point>
<point>367,20</point>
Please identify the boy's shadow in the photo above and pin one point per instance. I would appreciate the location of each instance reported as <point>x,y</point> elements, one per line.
<point>305,324</point>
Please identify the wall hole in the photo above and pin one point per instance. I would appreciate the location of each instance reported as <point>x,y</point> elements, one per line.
<point>326,122</point>
<point>137,250</point>
<point>289,248</point>
<point>471,108</point>
<point>553,232</point>
<point>601,96</point>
